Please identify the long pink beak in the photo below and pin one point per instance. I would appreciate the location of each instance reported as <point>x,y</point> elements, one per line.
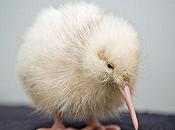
<point>127,96</point>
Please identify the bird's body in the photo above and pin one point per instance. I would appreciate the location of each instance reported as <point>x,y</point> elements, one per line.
<point>62,63</point>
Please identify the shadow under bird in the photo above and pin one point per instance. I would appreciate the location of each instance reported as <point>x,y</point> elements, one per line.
<point>79,63</point>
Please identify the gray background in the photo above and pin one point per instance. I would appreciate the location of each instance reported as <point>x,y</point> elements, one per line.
<point>155,21</point>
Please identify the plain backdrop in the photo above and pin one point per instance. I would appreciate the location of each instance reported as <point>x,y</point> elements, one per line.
<point>155,21</point>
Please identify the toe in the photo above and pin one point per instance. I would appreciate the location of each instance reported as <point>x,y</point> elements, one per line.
<point>99,127</point>
<point>70,129</point>
<point>44,129</point>
<point>87,128</point>
<point>59,129</point>
<point>112,127</point>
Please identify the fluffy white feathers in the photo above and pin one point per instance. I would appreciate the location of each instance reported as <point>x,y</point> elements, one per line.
<point>60,65</point>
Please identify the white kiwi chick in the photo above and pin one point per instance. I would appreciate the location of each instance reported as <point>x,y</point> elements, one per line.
<point>80,63</point>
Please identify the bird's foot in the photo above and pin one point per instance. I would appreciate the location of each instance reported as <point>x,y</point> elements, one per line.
<point>45,129</point>
<point>58,125</point>
<point>101,127</point>
<point>56,129</point>
<point>94,124</point>
<point>112,127</point>
<point>97,127</point>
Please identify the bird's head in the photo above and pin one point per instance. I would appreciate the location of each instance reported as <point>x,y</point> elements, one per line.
<point>112,56</point>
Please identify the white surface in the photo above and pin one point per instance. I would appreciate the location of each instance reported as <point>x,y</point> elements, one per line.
<point>155,21</point>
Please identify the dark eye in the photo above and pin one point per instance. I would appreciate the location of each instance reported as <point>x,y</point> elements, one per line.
<point>110,66</point>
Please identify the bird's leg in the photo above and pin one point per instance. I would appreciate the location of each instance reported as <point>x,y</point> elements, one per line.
<point>58,125</point>
<point>94,124</point>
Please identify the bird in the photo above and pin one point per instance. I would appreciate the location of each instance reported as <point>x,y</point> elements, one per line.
<point>80,63</point>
